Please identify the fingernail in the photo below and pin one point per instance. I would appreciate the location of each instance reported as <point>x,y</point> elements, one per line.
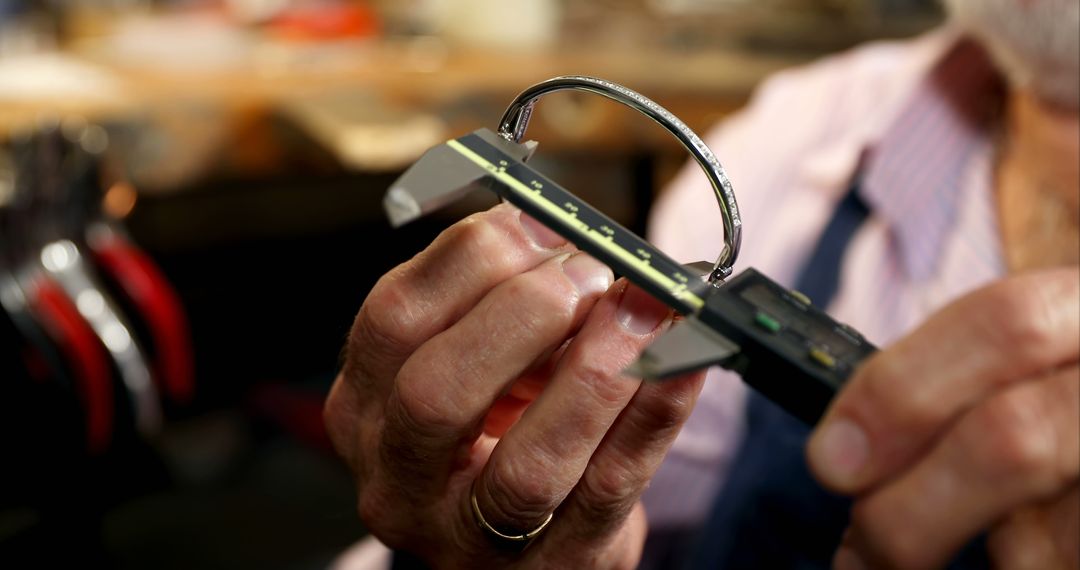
<point>540,234</point>
<point>639,313</point>
<point>839,451</point>
<point>589,275</point>
<point>847,559</point>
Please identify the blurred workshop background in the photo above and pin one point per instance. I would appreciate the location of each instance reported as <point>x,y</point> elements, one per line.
<point>190,215</point>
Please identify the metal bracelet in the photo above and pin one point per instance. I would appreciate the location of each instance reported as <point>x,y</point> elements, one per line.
<point>516,120</point>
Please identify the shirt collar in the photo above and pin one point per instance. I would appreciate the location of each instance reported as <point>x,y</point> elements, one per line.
<point>913,174</point>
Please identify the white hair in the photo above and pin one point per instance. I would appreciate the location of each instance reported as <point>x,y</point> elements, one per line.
<point>1036,43</point>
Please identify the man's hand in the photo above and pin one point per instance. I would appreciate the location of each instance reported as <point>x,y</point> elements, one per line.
<point>970,424</point>
<point>493,359</point>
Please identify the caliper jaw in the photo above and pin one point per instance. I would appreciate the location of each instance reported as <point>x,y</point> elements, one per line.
<point>441,176</point>
<point>687,346</point>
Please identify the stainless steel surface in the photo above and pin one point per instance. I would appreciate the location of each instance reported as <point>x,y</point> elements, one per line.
<point>441,176</point>
<point>516,121</point>
<point>687,346</point>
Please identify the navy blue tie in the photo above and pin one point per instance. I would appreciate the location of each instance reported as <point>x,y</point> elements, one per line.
<point>771,513</point>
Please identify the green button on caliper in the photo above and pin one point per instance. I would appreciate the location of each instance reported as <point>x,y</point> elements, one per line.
<point>767,322</point>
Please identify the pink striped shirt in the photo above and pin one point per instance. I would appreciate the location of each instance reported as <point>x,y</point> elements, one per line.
<point>909,116</point>
<point>916,121</point>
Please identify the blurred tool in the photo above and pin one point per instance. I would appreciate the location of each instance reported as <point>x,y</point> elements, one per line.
<point>86,302</point>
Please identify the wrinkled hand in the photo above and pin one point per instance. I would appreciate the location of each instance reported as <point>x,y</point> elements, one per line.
<point>970,424</point>
<point>494,357</point>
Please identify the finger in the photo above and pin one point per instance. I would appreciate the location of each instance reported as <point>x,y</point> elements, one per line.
<point>508,409</point>
<point>1039,538</point>
<point>896,405</point>
<point>403,310</point>
<point>617,551</point>
<point>427,294</point>
<point>1017,448</point>
<point>621,468</point>
<point>1046,537</point>
<point>340,416</point>
<point>543,456</point>
<point>444,390</point>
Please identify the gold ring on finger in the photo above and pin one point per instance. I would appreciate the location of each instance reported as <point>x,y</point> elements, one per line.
<point>482,522</point>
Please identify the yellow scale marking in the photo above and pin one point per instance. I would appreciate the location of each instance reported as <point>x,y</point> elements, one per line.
<point>678,290</point>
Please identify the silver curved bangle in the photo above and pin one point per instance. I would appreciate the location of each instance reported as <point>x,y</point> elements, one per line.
<point>516,120</point>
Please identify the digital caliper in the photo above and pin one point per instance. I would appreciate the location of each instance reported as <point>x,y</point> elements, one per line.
<point>780,344</point>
